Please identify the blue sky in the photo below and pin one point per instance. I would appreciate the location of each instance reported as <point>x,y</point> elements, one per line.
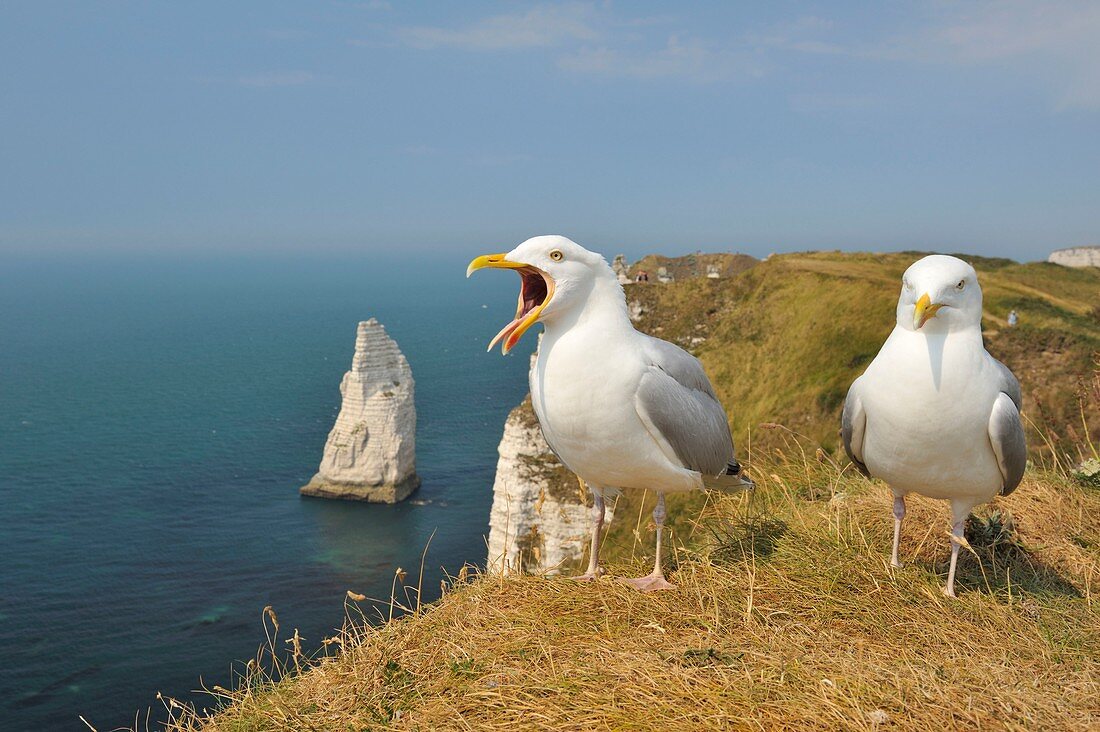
<point>377,126</point>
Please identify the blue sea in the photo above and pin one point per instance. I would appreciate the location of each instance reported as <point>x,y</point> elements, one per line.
<point>157,417</point>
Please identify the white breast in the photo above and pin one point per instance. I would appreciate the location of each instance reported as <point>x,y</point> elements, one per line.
<point>928,400</point>
<point>582,388</point>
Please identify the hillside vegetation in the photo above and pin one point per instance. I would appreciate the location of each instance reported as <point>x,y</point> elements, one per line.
<point>787,613</point>
<point>786,338</point>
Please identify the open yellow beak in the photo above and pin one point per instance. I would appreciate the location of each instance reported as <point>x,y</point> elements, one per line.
<point>536,289</point>
<point>495,261</point>
<point>924,310</point>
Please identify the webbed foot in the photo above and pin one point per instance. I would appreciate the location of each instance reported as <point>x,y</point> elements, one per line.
<point>650,583</point>
<point>590,576</point>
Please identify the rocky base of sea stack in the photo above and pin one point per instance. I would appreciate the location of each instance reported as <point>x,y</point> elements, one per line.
<point>318,487</point>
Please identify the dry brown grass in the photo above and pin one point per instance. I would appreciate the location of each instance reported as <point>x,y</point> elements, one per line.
<point>787,616</point>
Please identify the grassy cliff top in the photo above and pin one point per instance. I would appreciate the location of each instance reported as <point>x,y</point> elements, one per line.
<point>787,613</point>
<point>787,616</point>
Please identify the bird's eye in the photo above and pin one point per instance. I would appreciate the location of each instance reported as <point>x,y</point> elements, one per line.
<point>961,285</point>
<point>556,255</point>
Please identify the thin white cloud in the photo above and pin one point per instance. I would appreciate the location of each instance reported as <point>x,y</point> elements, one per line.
<point>263,80</point>
<point>288,78</point>
<point>497,160</point>
<point>367,5</point>
<point>590,39</point>
<point>650,20</point>
<point>819,102</point>
<point>485,159</point>
<point>686,58</point>
<point>284,34</point>
<point>419,151</point>
<point>539,27</point>
<point>1056,42</point>
<point>994,31</point>
<point>801,34</point>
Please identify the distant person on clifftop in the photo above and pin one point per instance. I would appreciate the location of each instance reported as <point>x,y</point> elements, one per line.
<point>1013,318</point>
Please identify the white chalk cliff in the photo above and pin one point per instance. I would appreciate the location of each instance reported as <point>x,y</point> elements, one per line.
<point>1076,257</point>
<point>540,520</point>
<point>370,454</point>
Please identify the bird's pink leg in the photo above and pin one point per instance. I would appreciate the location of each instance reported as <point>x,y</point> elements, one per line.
<point>899,514</point>
<point>594,569</point>
<point>956,536</point>
<point>655,580</point>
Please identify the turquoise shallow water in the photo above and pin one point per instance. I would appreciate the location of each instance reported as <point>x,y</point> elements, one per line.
<point>156,420</point>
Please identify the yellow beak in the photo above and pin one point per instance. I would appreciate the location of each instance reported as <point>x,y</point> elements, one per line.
<point>535,291</point>
<point>496,261</point>
<point>924,310</point>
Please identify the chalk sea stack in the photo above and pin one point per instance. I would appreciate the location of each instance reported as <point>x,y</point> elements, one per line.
<point>370,454</point>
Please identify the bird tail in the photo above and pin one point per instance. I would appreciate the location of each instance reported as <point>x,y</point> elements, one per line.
<point>730,480</point>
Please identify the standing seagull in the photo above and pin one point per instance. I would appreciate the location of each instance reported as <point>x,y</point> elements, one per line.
<point>934,413</point>
<point>619,408</point>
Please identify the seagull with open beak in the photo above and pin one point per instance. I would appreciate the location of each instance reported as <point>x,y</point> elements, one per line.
<point>536,291</point>
<point>934,413</point>
<point>619,408</point>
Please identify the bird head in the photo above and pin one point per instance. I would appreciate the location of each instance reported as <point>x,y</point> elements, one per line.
<point>554,272</point>
<point>939,293</point>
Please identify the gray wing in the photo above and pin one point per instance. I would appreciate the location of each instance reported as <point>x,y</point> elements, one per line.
<point>1006,435</point>
<point>675,399</point>
<point>679,364</point>
<point>853,423</point>
<point>1009,383</point>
